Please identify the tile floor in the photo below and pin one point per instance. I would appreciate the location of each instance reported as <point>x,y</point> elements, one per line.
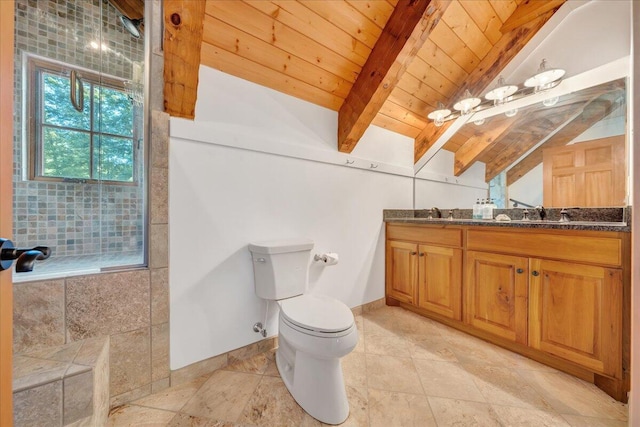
<point>405,371</point>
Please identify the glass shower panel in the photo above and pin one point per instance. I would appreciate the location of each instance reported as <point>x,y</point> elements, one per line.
<point>79,178</point>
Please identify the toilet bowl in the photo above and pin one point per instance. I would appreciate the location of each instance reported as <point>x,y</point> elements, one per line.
<point>315,331</point>
<point>309,352</point>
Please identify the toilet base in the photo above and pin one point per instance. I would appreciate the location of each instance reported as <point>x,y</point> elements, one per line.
<point>316,384</point>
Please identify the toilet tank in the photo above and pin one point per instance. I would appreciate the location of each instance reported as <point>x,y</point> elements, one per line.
<point>280,267</point>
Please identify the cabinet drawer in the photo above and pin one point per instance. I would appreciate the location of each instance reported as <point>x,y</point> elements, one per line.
<point>433,234</point>
<point>584,249</point>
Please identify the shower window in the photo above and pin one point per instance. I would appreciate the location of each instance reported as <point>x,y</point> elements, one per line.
<point>95,144</point>
<point>80,178</point>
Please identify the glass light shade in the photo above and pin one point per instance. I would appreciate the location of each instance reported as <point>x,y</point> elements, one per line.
<point>501,93</point>
<point>544,78</point>
<point>550,102</point>
<point>511,113</point>
<point>467,103</point>
<point>439,115</point>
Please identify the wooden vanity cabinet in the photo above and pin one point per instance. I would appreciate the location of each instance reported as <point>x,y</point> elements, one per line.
<point>424,268</point>
<point>496,294</point>
<point>575,312</point>
<point>558,296</point>
<point>569,292</point>
<point>402,271</point>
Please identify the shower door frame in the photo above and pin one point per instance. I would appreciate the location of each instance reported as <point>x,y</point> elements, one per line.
<point>6,206</point>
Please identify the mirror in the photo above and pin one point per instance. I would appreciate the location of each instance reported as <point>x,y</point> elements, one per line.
<point>563,147</point>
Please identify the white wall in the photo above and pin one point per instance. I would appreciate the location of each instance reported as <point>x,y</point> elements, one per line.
<point>436,185</point>
<point>223,197</point>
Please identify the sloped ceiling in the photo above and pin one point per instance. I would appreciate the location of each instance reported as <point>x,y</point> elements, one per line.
<point>381,62</point>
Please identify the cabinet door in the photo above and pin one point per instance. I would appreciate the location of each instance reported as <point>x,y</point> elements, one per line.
<point>440,280</point>
<point>576,313</point>
<point>402,269</point>
<point>496,294</point>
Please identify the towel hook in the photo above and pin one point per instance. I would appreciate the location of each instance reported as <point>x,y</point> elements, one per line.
<point>373,165</point>
<point>350,162</point>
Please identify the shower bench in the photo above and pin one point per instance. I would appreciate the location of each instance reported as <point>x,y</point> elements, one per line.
<point>65,385</point>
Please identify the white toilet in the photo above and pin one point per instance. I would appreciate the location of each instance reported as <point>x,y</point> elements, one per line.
<point>315,331</point>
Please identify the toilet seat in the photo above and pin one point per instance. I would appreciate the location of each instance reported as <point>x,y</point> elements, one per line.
<point>317,315</point>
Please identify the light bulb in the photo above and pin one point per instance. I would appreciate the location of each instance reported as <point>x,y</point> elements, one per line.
<point>466,104</point>
<point>439,121</point>
<point>550,102</point>
<point>511,113</point>
<point>478,122</point>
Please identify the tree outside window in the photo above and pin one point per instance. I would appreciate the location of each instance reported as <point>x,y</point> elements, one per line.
<point>95,144</point>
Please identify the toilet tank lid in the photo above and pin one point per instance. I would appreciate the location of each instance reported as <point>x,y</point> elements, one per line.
<point>281,246</point>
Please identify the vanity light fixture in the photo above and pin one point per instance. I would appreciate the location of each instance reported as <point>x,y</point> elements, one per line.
<point>511,113</point>
<point>439,115</point>
<point>550,102</point>
<point>467,103</point>
<point>501,93</point>
<point>545,78</point>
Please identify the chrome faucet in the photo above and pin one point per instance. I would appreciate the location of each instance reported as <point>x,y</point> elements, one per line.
<point>437,212</point>
<point>542,212</point>
<point>564,215</point>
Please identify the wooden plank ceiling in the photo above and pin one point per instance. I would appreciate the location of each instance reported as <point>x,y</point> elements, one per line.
<point>405,55</point>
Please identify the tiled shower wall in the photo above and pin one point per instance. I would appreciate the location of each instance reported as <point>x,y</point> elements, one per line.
<point>131,307</point>
<point>74,218</point>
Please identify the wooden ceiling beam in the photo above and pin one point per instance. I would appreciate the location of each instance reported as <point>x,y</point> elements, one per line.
<point>133,9</point>
<point>480,142</point>
<point>536,126</point>
<point>528,11</point>
<point>183,28</point>
<point>488,69</point>
<point>402,37</point>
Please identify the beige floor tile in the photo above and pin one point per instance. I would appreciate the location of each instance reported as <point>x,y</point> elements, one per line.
<point>358,407</point>
<point>451,412</point>
<point>473,351</point>
<point>444,377</point>
<point>580,421</point>
<point>173,398</point>
<point>390,409</point>
<point>223,396</point>
<point>392,374</point>
<point>522,417</point>
<point>447,379</point>
<point>184,420</point>
<point>263,363</point>
<point>271,405</point>
<point>354,369</point>
<point>138,416</point>
<point>413,324</point>
<point>379,325</point>
<point>388,345</point>
<point>431,348</point>
<point>517,361</point>
<point>502,386</point>
<point>570,395</point>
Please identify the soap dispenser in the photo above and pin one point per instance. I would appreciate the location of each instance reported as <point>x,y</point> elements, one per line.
<point>477,210</point>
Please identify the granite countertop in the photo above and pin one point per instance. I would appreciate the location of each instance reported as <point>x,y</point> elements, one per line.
<point>594,219</point>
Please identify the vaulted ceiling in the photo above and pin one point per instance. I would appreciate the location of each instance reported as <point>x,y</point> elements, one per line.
<point>380,62</point>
